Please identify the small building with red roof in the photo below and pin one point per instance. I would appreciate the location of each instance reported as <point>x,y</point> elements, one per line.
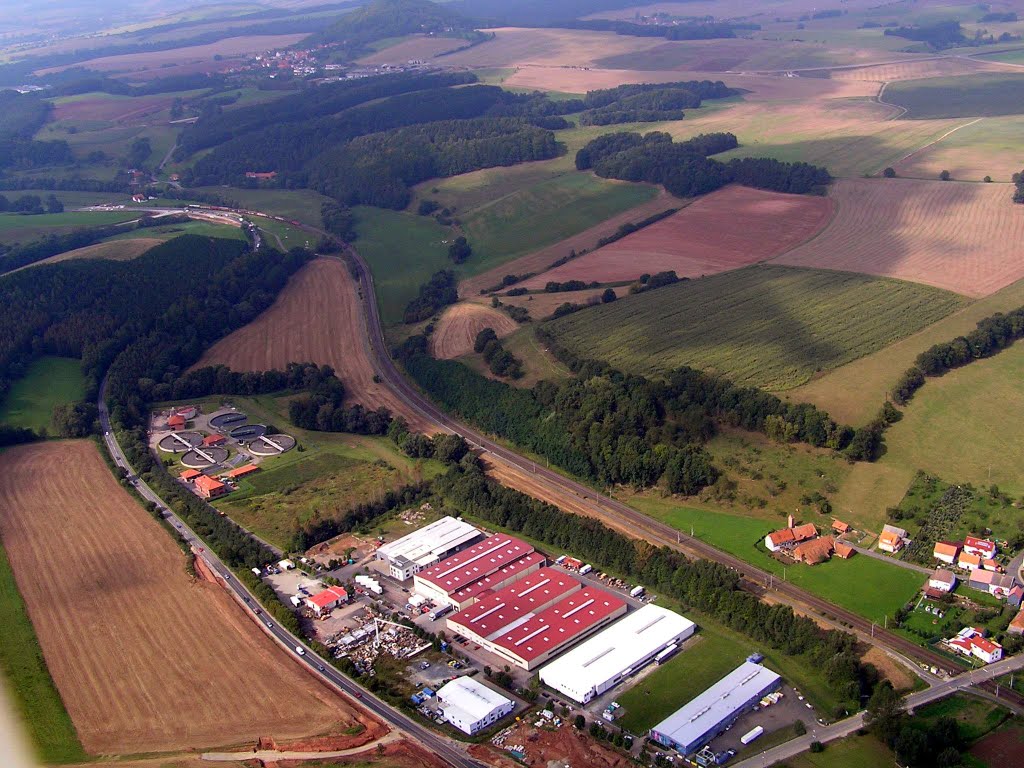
<point>983,548</point>
<point>946,551</point>
<point>211,441</point>
<point>238,472</point>
<point>175,422</point>
<point>327,600</point>
<point>209,487</point>
<point>189,475</point>
<point>840,527</point>
<point>844,551</point>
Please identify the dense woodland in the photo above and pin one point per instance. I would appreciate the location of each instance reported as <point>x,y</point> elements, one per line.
<point>437,293</point>
<point>613,428</point>
<point>354,31</point>
<point>685,169</point>
<point>1018,187</point>
<point>21,115</point>
<point>708,30</point>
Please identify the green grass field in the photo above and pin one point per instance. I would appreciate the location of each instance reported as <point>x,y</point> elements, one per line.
<point>544,213</point>
<point>33,694</point>
<point>403,251</point>
<point>966,426</point>
<point>681,678</point>
<point>766,326</point>
<point>168,231</point>
<point>852,752</point>
<point>285,236</point>
<point>17,228</point>
<point>881,588</point>
<point>981,95</point>
<point>1014,56</point>
<point>49,381</point>
<point>299,204</point>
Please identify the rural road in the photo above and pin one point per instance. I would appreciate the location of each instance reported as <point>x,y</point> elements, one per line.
<point>447,750</point>
<point>826,733</point>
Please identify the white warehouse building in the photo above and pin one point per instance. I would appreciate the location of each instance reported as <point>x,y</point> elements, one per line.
<point>471,706</point>
<point>422,548</point>
<point>604,660</point>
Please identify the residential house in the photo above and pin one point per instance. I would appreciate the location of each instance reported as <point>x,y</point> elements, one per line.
<point>840,527</point>
<point>890,542</point>
<point>998,584</point>
<point>942,580</point>
<point>814,551</point>
<point>946,551</point>
<point>983,548</point>
<point>971,641</point>
<point>968,561</point>
<point>791,536</point>
<point>1017,625</point>
<point>844,551</point>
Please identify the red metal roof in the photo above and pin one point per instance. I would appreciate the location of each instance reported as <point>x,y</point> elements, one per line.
<point>494,613</point>
<point>213,439</point>
<point>481,587</point>
<point>560,624</point>
<point>176,419</point>
<point>189,474</point>
<point>248,469</point>
<point>477,562</point>
<point>328,596</point>
<point>982,545</point>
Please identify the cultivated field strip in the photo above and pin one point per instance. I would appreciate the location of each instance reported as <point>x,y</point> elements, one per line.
<point>957,236</point>
<point>916,70</point>
<point>316,318</point>
<point>145,658</point>
<point>765,326</point>
<point>701,239</point>
<point>457,329</point>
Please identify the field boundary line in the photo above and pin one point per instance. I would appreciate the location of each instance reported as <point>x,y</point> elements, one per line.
<point>935,141</point>
<point>884,103</point>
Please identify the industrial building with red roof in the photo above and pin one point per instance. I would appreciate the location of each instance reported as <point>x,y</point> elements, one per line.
<point>326,600</point>
<point>537,617</point>
<point>493,564</point>
<point>248,469</point>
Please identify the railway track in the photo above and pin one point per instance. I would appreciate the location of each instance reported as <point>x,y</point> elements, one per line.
<point>610,510</point>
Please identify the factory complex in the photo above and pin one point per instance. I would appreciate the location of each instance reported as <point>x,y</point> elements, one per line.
<point>604,660</point>
<point>422,548</point>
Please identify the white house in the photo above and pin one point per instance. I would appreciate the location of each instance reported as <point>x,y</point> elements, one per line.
<point>942,580</point>
<point>471,706</point>
<point>983,548</point>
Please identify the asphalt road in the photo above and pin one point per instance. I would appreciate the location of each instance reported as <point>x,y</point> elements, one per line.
<point>447,750</point>
<point>826,733</point>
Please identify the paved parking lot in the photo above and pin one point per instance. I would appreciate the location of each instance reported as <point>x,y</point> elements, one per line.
<point>778,716</point>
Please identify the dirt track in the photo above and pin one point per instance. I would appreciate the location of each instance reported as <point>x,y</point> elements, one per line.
<point>145,658</point>
<point>727,229</point>
<point>459,325</point>
<point>958,236</point>
<point>316,318</point>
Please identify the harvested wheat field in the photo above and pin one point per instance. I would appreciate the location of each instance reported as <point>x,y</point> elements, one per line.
<point>961,237</point>
<point>120,109</point>
<point>942,66</point>
<point>420,47</point>
<point>729,228</point>
<point>316,318</point>
<point>457,329</point>
<point>540,260</point>
<point>145,658</point>
<point>986,146</point>
<point>514,46</point>
<point>113,250</point>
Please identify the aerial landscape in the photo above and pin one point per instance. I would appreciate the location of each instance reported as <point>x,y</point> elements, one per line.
<point>425,383</point>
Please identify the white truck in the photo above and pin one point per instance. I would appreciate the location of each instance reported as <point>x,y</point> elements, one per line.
<point>636,591</point>
<point>752,734</point>
<point>437,613</point>
<point>300,650</point>
<point>586,569</point>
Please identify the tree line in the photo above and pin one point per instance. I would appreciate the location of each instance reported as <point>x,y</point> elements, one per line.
<point>499,360</point>
<point>436,294</point>
<point>684,168</point>
<point>1018,187</point>
<point>696,30</point>
<point>993,334</point>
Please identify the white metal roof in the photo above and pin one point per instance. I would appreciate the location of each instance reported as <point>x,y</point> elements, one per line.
<point>718,703</point>
<point>475,700</point>
<point>620,647</point>
<point>425,545</point>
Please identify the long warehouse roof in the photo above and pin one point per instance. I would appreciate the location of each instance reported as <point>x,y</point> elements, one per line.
<point>477,562</point>
<point>718,703</point>
<point>621,646</point>
<point>516,603</point>
<point>431,541</point>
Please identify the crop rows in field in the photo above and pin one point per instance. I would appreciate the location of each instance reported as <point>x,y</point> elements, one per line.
<point>764,326</point>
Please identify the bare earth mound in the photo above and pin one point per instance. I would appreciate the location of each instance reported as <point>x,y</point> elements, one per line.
<point>316,318</point>
<point>459,325</point>
<point>145,658</point>
<point>961,237</point>
<point>727,229</point>
<point>538,261</point>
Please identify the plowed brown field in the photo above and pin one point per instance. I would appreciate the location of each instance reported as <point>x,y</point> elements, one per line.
<point>961,237</point>
<point>316,318</point>
<point>727,229</point>
<point>145,658</point>
<point>538,261</point>
<point>457,329</point>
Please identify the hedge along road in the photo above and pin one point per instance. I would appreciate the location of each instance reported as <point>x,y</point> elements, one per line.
<point>447,750</point>
<point>571,494</point>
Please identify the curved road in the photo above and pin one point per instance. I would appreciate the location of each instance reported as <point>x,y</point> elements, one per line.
<point>447,750</point>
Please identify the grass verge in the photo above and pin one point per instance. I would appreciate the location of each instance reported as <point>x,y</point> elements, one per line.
<point>49,381</point>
